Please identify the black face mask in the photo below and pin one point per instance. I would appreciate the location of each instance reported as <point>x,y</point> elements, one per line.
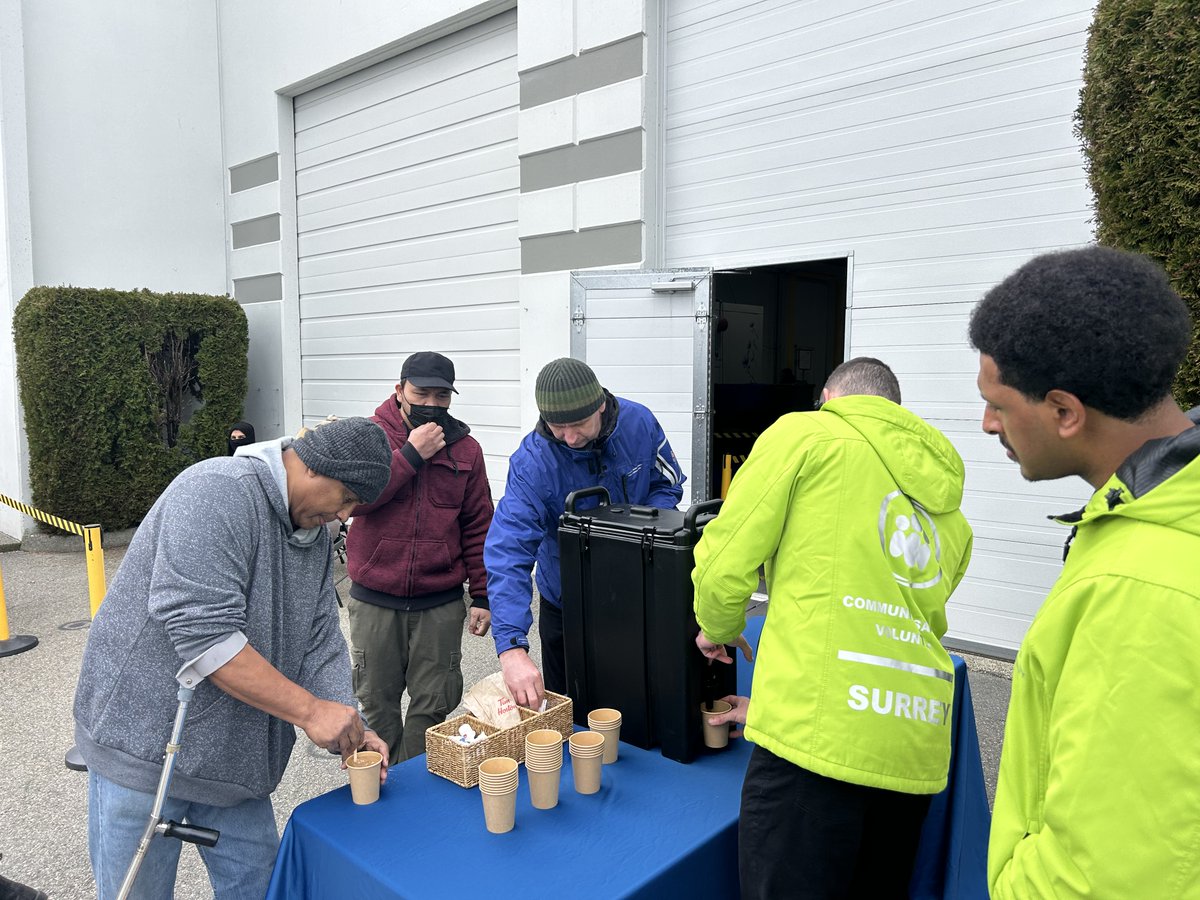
<point>234,443</point>
<point>422,415</point>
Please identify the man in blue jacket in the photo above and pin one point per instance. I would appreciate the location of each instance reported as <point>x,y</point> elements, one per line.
<point>585,437</point>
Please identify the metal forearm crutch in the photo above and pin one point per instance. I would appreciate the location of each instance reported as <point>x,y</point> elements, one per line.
<point>193,834</point>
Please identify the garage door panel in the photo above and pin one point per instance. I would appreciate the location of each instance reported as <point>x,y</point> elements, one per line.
<point>402,160</point>
<point>407,182</point>
<point>445,104</point>
<point>471,216</point>
<point>440,267</point>
<point>407,74</point>
<point>410,246</point>
<point>476,109</point>
<point>474,318</point>
<point>447,342</point>
<point>450,294</point>
<point>500,368</point>
<point>409,120</point>
<point>448,181</point>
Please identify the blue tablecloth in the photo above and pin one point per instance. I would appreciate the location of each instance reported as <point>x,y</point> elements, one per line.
<point>657,828</point>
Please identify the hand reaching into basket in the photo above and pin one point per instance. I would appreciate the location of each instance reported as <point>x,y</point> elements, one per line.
<point>522,677</point>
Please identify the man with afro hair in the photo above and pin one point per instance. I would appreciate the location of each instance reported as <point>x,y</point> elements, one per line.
<point>1099,786</point>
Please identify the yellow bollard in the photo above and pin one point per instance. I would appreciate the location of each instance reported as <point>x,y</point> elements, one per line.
<point>726,474</point>
<point>9,645</point>
<point>95,565</point>
<point>3,614</point>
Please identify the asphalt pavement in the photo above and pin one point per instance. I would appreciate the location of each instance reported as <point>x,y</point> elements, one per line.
<point>43,804</point>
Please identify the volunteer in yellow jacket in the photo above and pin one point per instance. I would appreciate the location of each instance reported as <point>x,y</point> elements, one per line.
<point>1099,786</point>
<point>854,509</point>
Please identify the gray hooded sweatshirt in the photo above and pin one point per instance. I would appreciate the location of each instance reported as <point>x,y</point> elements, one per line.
<point>215,564</point>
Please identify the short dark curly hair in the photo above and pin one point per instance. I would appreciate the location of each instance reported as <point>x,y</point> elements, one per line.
<point>1101,323</point>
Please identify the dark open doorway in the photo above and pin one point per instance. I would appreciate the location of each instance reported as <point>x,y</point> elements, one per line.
<point>780,330</point>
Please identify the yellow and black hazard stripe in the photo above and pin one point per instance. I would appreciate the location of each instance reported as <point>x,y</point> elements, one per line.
<point>46,517</point>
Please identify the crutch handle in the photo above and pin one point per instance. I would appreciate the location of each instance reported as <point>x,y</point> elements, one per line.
<point>193,834</point>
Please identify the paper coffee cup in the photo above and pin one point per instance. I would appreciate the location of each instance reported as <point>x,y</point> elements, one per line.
<point>587,755</point>
<point>363,768</point>
<point>499,811</point>
<point>543,787</point>
<point>608,723</point>
<point>543,749</point>
<point>715,736</point>
<point>498,774</point>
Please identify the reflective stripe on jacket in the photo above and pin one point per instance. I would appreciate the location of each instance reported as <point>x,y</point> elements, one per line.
<point>855,512</point>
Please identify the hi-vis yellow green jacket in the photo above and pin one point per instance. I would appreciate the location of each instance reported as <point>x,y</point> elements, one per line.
<point>854,510</point>
<point>1099,787</point>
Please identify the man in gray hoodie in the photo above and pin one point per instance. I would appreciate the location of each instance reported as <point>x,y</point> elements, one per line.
<point>230,577</point>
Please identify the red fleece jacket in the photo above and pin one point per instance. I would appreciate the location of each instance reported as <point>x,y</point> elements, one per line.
<point>424,534</point>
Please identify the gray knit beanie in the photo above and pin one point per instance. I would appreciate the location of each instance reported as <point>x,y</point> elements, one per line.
<point>567,391</point>
<point>354,451</point>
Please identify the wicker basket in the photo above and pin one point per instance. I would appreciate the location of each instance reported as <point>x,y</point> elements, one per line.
<point>460,763</point>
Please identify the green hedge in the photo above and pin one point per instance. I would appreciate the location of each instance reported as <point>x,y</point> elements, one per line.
<point>1139,120</point>
<point>104,430</point>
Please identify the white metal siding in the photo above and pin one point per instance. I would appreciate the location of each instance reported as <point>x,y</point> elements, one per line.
<point>932,139</point>
<point>406,191</point>
<point>642,345</point>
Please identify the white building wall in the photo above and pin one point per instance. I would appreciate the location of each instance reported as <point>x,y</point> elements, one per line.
<point>111,162</point>
<point>124,144</point>
<point>931,142</point>
<point>16,266</point>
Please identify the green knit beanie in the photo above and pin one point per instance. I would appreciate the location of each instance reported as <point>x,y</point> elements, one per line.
<point>567,391</point>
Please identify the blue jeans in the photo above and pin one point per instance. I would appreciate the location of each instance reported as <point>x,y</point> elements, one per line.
<point>239,866</point>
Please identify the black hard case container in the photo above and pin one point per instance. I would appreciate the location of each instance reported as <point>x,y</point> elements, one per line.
<point>628,622</point>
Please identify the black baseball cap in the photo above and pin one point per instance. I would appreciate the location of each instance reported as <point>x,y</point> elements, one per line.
<point>429,370</point>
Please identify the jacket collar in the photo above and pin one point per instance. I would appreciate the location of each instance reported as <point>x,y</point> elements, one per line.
<point>1146,468</point>
<point>390,412</point>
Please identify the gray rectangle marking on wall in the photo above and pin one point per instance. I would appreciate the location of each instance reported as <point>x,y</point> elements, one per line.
<point>262,230</point>
<point>605,246</point>
<point>614,154</point>
<point>251,174</point>
<point>589,70</point>
<point>258,288</point>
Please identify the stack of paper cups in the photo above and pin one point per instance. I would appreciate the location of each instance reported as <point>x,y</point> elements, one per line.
<point>498,787</point>
<point>543,762</point>
<point>608,723</point>
<point>587,753</point>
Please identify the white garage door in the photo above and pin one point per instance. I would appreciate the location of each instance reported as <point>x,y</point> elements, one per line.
<point>933,142</point>
<point>406,191</point>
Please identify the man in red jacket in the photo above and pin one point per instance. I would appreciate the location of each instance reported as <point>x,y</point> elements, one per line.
<point>410,552</point>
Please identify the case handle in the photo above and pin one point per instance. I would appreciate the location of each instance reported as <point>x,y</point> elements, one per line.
<point>594,491</point>
<point>707,508</point>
